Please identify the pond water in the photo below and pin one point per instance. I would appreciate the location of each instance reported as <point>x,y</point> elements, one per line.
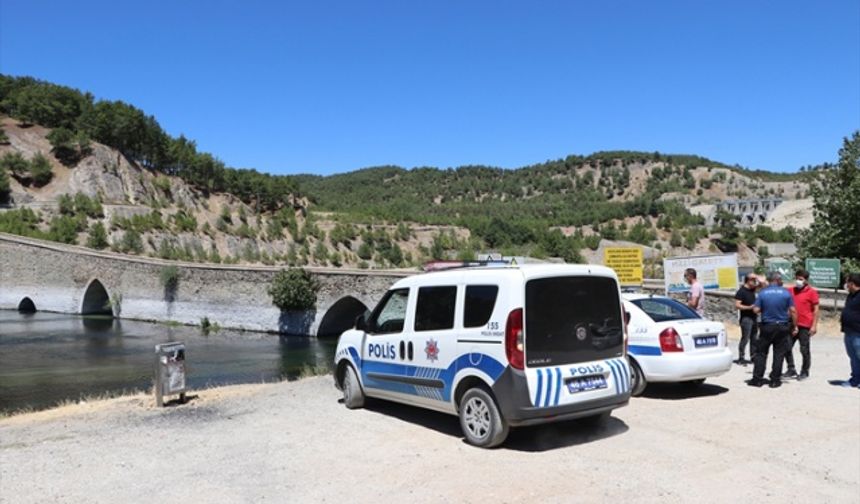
<point>47,358</point>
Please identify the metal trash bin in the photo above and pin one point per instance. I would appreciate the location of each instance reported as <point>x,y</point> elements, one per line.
<point>169,371</point>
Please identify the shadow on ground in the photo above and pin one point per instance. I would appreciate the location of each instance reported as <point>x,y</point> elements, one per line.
<point>535,438</point>
<point>677,391</point>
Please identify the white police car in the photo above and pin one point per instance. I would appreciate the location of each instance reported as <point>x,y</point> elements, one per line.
<point>498,346</point>
<point>669,342</point>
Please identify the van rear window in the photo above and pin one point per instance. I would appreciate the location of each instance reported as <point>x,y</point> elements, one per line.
<point>572,319</point>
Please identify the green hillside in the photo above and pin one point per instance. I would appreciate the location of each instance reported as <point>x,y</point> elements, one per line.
<point>554,208</point>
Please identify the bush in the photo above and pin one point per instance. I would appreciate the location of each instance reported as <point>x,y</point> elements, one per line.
<point>15,164</point>
<point>4,185</point>
<point>184,222</point>
<point>66,204</point>
<point>64,146</point>
<point>40,170</point>
<point>22,222</point>
<point>63,229</point>
<point>170,278</point>
<point>91,207</point>
<point>131,242</point>
<point>294,289</point>
<point>98,236</point>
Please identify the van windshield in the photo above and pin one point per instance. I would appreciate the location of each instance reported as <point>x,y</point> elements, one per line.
<point>572,319</point>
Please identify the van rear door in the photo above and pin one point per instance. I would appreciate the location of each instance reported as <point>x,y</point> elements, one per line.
<point>574,339</point>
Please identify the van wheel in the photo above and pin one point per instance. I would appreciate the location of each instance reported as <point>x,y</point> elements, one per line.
<point>638,379</point>
<point>353,397</point>
<point>480,419</point>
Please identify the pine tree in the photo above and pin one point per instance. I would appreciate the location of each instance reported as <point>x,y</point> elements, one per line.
<point>834,231</point>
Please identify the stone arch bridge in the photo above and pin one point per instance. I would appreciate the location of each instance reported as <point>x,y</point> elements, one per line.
<point>47,276</point>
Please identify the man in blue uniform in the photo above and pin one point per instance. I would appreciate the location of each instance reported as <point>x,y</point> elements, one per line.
<point>778,322</point>
<point>851,327</point>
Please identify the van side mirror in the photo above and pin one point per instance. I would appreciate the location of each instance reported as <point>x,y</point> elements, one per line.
<point>626,317</point>
<point>361,322</point>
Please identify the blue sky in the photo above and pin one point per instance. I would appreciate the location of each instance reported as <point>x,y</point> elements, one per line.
<point>332,86</point>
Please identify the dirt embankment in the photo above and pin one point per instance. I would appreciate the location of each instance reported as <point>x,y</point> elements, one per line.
<point>293,442</point>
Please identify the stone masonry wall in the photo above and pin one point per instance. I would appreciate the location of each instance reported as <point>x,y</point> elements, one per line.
<point>55,277</point>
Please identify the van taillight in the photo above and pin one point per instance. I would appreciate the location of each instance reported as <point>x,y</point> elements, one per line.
<point>670,341</point>
<point>514,345</point>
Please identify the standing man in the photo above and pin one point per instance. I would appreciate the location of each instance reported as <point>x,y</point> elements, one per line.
<point>696,296</point>
<point>747,318</point>
<point>778,321</point>
<point>806,302</point>
<point>851,327</point>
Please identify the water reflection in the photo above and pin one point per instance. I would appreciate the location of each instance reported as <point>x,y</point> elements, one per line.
<point>46,358</point>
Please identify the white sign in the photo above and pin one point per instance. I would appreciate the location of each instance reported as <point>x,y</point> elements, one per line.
<point>713,271</point>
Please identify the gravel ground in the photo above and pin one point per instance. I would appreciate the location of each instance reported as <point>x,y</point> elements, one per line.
<point>293,442</point>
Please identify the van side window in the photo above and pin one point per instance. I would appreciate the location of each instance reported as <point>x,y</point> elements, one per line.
<point>480,301</point>
<point>435,308</point>
<point>388,317</point>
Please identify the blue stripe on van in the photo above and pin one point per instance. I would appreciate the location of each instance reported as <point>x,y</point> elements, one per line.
<point>536,402</point>
<point>626,372</point>
<point>549,383</point>
<point>485,363</point>
<point>614,369</point>
<point>558,388</point>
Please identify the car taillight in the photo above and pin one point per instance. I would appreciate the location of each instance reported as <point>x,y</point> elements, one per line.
<point>670,341</point>
<point>514,345</point>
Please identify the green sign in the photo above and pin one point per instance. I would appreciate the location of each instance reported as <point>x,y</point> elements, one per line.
<point>784,268</point>
<point>823,273</point>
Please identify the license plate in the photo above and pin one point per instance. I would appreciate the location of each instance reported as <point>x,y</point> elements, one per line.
<point>705,341</point>
<point>584,383</point>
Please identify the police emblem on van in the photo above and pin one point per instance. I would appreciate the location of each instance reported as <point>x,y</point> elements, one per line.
<point>581,333</point>
<point>432,350</point>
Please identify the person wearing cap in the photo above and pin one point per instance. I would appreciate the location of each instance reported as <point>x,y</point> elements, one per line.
<point>806,302</point>
<point>778,322</point>
<point>747,318</point>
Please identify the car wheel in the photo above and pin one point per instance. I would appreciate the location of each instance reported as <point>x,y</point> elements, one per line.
<point>480,419</point>
<point>638,379</point>
<point>353,397</point>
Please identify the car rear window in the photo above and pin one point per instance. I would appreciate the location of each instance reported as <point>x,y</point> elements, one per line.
<point>572,319</point>
<point>480,301</point>
<point>663,309</point>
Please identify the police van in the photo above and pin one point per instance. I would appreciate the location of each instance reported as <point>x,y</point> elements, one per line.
<point>498,346</point>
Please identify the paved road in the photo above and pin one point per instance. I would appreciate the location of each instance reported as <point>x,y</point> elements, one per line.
<point>293,442</point>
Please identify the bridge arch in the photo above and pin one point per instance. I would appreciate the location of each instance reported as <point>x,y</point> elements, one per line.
<point>27,306</point>
<point>341,316</point>
<point>96,300</point>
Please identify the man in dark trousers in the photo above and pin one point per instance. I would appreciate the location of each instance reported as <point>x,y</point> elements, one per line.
<point>747,318</point>
<point>851,327</point>
<point>806,302</point>
<point>778,322</point>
